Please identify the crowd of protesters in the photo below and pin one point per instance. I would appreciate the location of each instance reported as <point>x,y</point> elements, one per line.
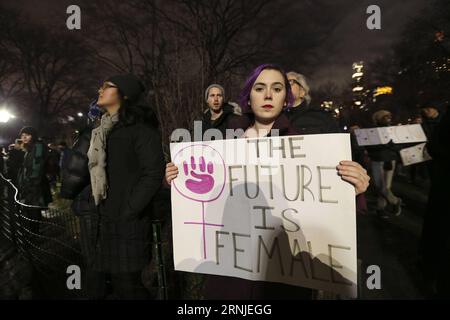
<point>116,169</point>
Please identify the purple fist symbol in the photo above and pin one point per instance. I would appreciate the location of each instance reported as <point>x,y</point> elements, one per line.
<point>203,181</point>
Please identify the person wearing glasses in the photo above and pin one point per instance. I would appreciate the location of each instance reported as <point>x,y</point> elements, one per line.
<point>305,117</point>
<point>124,166</point>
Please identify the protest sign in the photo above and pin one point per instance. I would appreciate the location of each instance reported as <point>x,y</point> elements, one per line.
<point>398,134</point>
<point>271,209</point>
<point>414,154</point>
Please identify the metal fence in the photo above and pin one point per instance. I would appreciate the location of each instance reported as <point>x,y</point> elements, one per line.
<point>46,240</point>
<point>38,244</point>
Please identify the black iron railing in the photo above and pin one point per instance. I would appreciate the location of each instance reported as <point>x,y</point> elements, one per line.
<point>47,241</point>
<point>46,238</point>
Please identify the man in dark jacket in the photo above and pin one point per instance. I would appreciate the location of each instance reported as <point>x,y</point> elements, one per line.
<point>219,113</point>
<point>306,118</point>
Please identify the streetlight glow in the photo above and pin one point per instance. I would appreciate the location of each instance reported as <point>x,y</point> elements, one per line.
<point>5,116</point>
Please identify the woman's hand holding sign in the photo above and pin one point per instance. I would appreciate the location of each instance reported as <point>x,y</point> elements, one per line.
<point>171,172</point>
<point>354,173</point>
<point>201,176</point>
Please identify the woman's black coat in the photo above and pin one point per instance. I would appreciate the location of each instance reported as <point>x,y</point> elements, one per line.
<point>121,224</point>
<point>135,170</point>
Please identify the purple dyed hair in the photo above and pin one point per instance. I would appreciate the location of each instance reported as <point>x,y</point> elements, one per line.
<point>244,97</point>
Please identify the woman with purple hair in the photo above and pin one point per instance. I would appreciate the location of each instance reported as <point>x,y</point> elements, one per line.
<point>265,95</point>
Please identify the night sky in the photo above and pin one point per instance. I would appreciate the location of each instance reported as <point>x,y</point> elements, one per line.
<point>350,41</point>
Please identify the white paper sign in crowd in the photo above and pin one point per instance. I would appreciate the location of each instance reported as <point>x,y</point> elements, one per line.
<point>271,209</point>
<point>398,134</point>
<point>414,154</point>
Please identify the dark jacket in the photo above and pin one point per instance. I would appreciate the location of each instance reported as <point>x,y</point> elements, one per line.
<point>429,126</point>
<point>439,140</point>
<point>75,174</point>
<point>135,171</point>
<point>384,152</point>
<point>222,123</point>
<point>435,235</point>
<point>13,164</point>
<point>120,231</point>
<point>75,178</point>
<point>220,287</point>
<point>358,152</point>
<point>308,119</point>
<point>34,188</point>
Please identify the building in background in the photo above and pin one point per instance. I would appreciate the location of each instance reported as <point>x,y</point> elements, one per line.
<point>358,86</point>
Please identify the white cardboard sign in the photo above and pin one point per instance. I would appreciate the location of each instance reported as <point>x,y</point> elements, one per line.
<point>271,209</point>
<point>414,154</point>
<point>398,134</point>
